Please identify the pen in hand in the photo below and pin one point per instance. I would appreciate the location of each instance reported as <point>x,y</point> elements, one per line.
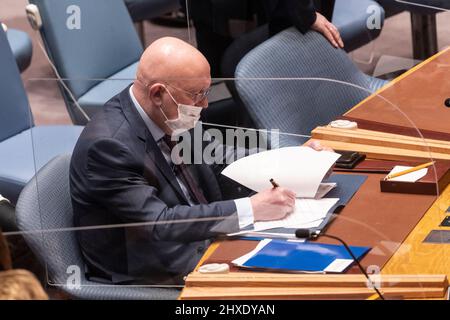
<point>274,184</point>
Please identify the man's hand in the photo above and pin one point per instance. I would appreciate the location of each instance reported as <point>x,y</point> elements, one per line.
<point>272,204</point>
<point>328,30</point>
<point>316,145</point>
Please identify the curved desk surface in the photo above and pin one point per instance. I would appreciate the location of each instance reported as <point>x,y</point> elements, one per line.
<point>412,256</point>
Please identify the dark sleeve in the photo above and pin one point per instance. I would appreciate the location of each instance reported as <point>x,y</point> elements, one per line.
<point>302,14</point>
<point>283,14</point>
<point>116,182</point>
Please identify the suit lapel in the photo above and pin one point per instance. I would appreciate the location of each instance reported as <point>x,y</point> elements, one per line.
<point>152,151</point>
<point>156,156</point>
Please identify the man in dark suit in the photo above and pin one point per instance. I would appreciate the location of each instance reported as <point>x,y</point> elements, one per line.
<point>123,172</point>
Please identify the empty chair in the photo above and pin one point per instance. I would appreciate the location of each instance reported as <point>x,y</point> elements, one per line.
<point>98,59</point>
<point>105,47</point>
<point>24,148</point>
<point>267,81</point>
<point>21,47</point>
<point>45,204</point>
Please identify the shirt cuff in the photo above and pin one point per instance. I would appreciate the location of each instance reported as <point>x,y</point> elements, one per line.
<point>244,212</point>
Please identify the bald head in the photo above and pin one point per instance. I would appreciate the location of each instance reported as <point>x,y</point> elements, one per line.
<point>170,71</point>
<point>172,61</point>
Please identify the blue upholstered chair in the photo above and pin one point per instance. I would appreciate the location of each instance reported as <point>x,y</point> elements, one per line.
<point>105,47</point>
<point>21,46</point>
<point>274,101</point>
<point>45,204</point>
<point>24,148</point>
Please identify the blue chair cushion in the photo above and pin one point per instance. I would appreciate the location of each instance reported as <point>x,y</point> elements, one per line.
<point>21,47</point>
<point>28,151</point>
<point>96,97</point>
<point>106,42</point>
<point>350,17</point>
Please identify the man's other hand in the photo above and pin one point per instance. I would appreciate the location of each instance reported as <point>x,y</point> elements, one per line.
<point>316,145</point>
<point>328,30</point>
<point>273,204</point>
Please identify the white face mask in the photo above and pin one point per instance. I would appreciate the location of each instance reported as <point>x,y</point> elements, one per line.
<point>188,116</point>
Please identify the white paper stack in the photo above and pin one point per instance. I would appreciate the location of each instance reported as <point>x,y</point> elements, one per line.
<point>300,169</point>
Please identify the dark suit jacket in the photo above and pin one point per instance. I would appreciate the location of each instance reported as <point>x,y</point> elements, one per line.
<point>280,14</point>
<point>118,175</point>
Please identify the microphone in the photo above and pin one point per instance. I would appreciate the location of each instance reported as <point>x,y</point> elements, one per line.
<point>314,234</point>
<point>306,233</point>
<point>447,103</point>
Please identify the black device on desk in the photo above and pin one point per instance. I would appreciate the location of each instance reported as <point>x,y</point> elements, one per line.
<point>349,159</point>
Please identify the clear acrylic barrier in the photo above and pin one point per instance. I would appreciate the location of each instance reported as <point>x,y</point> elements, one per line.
<point>120,220</point>
<point>129,223</point>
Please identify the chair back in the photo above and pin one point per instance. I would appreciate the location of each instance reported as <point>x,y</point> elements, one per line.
<point>295,82</point>
<point>15,113</point>
<point>44,213</point>
<point>88,40</point>
<point>44,207</point>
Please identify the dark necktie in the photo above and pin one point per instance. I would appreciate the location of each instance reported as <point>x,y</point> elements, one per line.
<point>183,173</point>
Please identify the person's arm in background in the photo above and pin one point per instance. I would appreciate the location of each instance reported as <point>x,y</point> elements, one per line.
<point>304,16</point>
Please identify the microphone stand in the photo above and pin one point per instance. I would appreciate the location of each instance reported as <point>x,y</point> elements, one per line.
<point>315,235</point>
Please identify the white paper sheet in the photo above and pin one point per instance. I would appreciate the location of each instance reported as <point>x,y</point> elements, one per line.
<point>300,169</point>
<point>309,213</point>
<point>410,177</point>
<point>324,188</point>
<point>338,265</point>
<point>243,259</point>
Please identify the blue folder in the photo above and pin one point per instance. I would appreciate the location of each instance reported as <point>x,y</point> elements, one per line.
<point>291,256</point>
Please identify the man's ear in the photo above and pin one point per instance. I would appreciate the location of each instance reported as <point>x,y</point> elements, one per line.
<point>155,94</point>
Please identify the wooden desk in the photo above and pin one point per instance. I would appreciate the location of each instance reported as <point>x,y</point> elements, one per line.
<point>413,257</point>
